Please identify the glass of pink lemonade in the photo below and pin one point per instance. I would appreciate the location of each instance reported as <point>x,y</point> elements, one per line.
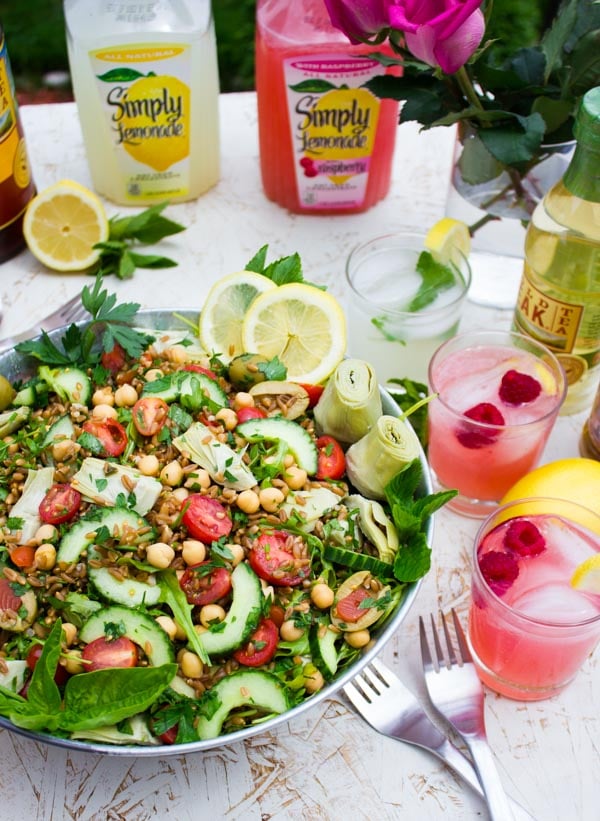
<point>498,394</point>
<point>534,616</point>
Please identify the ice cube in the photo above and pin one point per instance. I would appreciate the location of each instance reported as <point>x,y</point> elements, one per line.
<point>557,603</point>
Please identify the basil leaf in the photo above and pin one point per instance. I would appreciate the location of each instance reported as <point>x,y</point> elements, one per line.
<point>43,694</point>
<point>173,596</point>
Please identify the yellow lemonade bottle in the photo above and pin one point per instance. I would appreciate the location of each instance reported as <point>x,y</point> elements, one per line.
<point>146,84</point>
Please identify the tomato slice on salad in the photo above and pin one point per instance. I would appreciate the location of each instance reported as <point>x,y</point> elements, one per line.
<point>244,414</point>
<point>204,583</point>
<point>102,653</point>
<point>271,559</point>
<point>23,555</point>
<point>314,393</point>
<point>191,366</point>
<point>60,504</point>
<point>149,414</point>
<point>9,600</point>
<point>114,360</point>
<point>261,646</point>
<point>349,608</point>
<point>205,518</point>
<point>110,433</point>
<point>331,462</point>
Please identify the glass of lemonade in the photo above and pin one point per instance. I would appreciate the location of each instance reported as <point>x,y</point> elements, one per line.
<point>402,304</point>
<point>497,396</point>
<point>531,623</point>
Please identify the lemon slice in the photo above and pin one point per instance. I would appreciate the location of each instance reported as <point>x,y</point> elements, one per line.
<point>587,575</point>
<point>220,326</point>
<point>447,237</point>
<point>302,325</point>
<point>62,224</point>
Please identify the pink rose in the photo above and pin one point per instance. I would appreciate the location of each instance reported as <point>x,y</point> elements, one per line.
<point>442,33</point>
<point>359,19</point>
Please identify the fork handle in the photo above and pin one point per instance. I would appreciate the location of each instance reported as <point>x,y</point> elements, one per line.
<point>489,779</point>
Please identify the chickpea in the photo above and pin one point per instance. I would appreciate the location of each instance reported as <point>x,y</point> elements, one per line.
<point>45,557</point>
<point>314,681</point>
<point>64,449</point>
<point>103,396</point>
<point>69,633</point>
<point>181,494</point>
<point>172,474</point>
<point>248,501</point>
<point>148,465</point>
<point>126,396</point>
<point>199,477</point>
<point>288,460</point>
<point>211,613</point>
<point>270,498</point>
<point>237,551</point>
<point>153,374</point>
<point>190,664</point>
<point>104,411</point>
<point>45,533</point>
<point>228,417</point>
<point>358,639</point>
<point>160,555</point>
<point>74,662</point>
<point>322,596</point>
<point>289,630</point>
<point>295,477</point>
<point>243,400</point>
<point>168,625</point>
<point>193,552</point>
<point>177,354</point>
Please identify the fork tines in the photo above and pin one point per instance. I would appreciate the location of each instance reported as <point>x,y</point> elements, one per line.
<point>368,684</point>
<point>459,656</point>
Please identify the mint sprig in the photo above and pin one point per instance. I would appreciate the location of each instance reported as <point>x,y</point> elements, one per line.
<point>282,271</point>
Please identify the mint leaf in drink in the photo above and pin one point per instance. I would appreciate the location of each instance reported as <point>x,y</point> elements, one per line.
<point>435,278</point>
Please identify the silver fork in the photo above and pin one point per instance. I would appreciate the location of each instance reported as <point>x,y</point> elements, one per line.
<point>456,694</point>
<point>390,707</point>
<point>71,311</point>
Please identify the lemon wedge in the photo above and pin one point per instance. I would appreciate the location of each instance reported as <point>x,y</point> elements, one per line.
<point>448,239</point>
<point>587,575</point>
<point>221,318</point>
<point>63,223</point>
<point>302,325</point>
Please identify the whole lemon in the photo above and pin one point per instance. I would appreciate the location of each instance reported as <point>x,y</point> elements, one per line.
<point>574,480</point>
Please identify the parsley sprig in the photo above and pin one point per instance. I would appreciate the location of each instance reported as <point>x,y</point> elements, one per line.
<point>110,324</point>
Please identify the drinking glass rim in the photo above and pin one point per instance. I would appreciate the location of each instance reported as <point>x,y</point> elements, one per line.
<point>475,569</point>
<point>561,393</point>
<point>465,277</point>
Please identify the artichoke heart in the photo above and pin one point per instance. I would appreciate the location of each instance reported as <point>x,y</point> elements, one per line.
<point>376,526</point>
<point>224,465</point>
<point>351,402</point>
<point>385,451</point>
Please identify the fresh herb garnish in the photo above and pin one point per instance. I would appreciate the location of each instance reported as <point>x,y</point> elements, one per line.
<point>282,271</point>
<point>147,227</point>
<point>435,278</point>
<point>408,395</point>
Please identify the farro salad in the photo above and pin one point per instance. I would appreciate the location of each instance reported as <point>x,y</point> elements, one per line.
<point>190,546</point>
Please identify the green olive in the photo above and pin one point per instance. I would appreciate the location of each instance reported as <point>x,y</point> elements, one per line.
<point>7,393</point>
<point>245,370</point>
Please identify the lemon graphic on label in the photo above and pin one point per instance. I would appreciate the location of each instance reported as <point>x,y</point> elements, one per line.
<point>344,122</point>
<point>154,125</point>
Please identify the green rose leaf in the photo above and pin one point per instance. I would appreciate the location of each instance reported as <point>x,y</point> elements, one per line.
<point>476,163</point>
<point>517,144</point>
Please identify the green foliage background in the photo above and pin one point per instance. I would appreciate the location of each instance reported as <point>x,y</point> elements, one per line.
<point>36,37</point>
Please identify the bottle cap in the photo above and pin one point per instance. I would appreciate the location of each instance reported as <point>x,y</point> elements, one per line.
<point>587,122</point>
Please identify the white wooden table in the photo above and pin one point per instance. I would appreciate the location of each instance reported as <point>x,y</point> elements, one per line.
<point>329,764</point>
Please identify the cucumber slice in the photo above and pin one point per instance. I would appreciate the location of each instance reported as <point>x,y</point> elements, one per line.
<point>253,688</point>
<point>358,561</point>
<point>63,428</point>
<point>188,387</point>
<point>129,592</point>
<point>322,640</point>
<point>243,615</point>
<point>139,627</point>
<point>297,439</point>
<point>26,396</point>
<point>82,534</point>
<point>71,384</point>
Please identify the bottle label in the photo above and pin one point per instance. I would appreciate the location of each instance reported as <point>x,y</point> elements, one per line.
<point>333,126</point>
<point>145,94</point>
<point>570,329</point>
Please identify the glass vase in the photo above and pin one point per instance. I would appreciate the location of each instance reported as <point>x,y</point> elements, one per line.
<point>500,208</point>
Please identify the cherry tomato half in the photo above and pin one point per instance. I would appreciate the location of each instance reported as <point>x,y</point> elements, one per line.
<point>204,583</point>
<point>261,646</point>
<point>331,460</point>
<point>205,518</point>
<point>149,414</point>
<point>314,393</point>
<point>110,433</point>
<point>33,656</point>
<point>244,414</point>
<point>191,366</point>
<point>59,505</point>
<point>113,360</point>
<point>103,652</point>
<point>348,609</point>
<point>8,598</point>
<point>169,736</point>
<point>272,560</point>
<point>23,555</point>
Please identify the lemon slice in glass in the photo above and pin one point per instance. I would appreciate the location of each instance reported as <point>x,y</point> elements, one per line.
<point>221,318</point>
<point>302,325</point>
<point>448,239</point>
<point>587,575</point>
<point>63,223</point>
